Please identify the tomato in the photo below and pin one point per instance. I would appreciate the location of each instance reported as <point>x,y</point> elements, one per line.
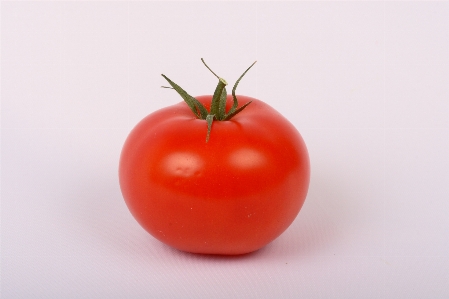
<point>230,195</point>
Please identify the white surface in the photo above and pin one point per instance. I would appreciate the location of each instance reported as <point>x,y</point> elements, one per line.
<point>366,84</point>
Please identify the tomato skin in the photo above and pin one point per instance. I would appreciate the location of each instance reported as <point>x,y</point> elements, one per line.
<point>231,195</point>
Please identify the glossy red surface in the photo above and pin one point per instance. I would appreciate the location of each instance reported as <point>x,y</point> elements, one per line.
<point>231,195</point>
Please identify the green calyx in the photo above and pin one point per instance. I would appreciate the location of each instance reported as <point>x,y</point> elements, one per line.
<point>218,105</point>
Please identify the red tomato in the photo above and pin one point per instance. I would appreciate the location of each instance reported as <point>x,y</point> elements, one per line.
<point>231,195</point>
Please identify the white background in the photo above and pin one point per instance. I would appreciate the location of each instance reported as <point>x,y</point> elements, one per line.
<point>366,84</point>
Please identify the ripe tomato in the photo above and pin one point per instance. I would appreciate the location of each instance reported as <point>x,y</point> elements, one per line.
<point>231,195</point>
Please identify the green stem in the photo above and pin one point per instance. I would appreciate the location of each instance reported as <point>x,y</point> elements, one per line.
<point>222,106</point>
<point>236,102</point>
<point>209,120</point>
<point>215,106</point>
<point>209,68</point>
<point>197,108</point>
<point>218,104</point>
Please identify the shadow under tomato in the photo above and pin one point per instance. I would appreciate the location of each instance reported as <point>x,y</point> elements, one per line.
<point>216,257</point>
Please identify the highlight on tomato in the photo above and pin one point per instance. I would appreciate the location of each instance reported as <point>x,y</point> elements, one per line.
<point>215,174</point>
